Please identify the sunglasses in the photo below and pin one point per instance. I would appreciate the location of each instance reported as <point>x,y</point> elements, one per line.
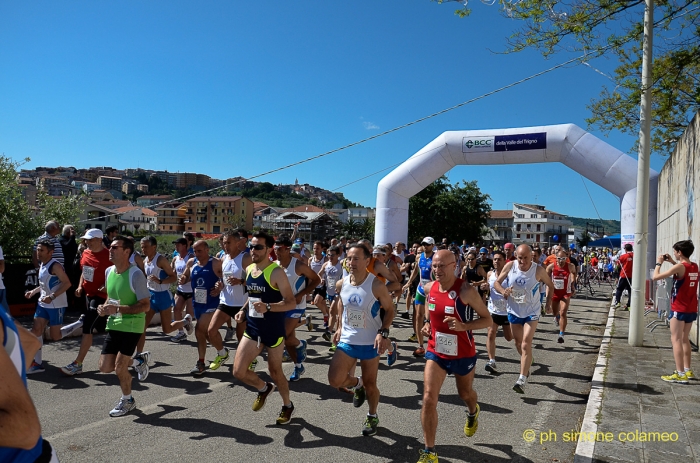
<point>257,247</point>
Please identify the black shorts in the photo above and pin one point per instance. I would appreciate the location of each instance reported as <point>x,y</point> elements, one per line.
<point>186,296</point>
<point>92,320</point>
<point>320,291</point>
<point>121,342</point>
<point>228,310</point>
<point>500,320</point>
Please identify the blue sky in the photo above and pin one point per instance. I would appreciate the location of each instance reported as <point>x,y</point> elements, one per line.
<point>239,88</point>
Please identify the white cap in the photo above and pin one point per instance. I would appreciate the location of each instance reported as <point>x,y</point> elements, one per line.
<point>428,240</point>
<point>92,233</point>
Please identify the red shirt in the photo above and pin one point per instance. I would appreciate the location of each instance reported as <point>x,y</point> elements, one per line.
<point>684,298</point>
<point>94,266</point>
<point>452,345</point>
<point>625,261</point>
<point>561,277</point>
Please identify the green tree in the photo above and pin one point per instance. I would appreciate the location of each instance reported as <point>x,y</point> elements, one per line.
<point>614,27</point>
<point>455,212</point>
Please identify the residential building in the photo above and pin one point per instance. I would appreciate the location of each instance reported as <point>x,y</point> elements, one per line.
<point>500,225</point>
<point>89,187</point>
<point>533,223</point>
<point>152,200</point>
<point>46,181</point>
<point>110,183</point>
<point>166,177</point>
<point>128,188</point>
<point>111,203</point>
<point>191,180</point>
<point>29,192</point>
<point>216,214</point>
<point>311,225</point>
<point>135,218</point>
<point>142,187</point>
<point>171,217</point>
<point>96,216</point>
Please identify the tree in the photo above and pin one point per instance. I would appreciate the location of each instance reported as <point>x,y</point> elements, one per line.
<point>455,212</point>
<point>604,27</point>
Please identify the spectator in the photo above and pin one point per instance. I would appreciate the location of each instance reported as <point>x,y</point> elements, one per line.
<point>70,249</point>
<point>109,234</point>
<point>51,231</point>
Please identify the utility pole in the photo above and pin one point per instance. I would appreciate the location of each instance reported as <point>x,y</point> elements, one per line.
<point>641,226</point>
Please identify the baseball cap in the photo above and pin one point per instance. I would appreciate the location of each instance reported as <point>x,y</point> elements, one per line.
<point>180,241</point>
<point>428,240</point>
<point>379,249</point>
<point>296,247</point>
<point>92,233</point>
<point>298,241</point>
<point>484,250</point>
<point>509,246</point>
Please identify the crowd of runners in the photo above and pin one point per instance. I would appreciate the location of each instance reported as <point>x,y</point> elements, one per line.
<point>263,284</point>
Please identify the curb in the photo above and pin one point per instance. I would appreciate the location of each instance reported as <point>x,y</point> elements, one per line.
<point>585,447</point>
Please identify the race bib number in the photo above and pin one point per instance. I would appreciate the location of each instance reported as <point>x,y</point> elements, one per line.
<point>227,275</point>
<point>356,318</point>
<point>558,283</point>
<point>200,295</point>
<point>115,302</point>
<point>446,344</point>
<point>88,273</point>
<point>251,311</point>
<point>518,296</point>
<point>499,304</point>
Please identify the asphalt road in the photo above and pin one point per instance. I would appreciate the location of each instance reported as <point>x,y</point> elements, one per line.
<point>209,418</point>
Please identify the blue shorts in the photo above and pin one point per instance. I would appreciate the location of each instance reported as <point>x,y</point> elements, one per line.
<point>459,367</point>
<point>54,316</point>
<point>419,298</point>
<point>296,313</point>
<point>3,301</point>
<point>521,321</point>
<point>683,316</point>
<point>161,300</point>
<point>330,298</point>
<point>358,352</point>
<point>199,312</point>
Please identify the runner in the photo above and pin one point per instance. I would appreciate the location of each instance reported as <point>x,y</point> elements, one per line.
<point>474,274</point>
<point>331,272</point>
<point>183,295</point>
<point>451,350</point>
<point>53,284</point>
<point>523,303</point>
<point>94,262</point>
<point>421,270</point>
<point>297,273</point>
<point>509,248</point>
<point>128,300</point>
<point>362,334</point>
<point>562,275</point>
<point>499,313</point>
<point>318,298</point>
<point>408,263</point>
<point>204,271</point>
<point>624,283</point>
<point>684,306</point>
<point>232,297</point>
<point>269,297</point>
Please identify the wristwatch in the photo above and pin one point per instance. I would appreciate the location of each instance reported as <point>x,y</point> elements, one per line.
<point>384,332</point>
<point>268,307</point>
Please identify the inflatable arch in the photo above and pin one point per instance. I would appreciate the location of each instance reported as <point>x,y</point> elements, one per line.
<point>566,143</point>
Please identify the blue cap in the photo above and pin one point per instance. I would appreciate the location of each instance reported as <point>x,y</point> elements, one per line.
<point>484,250</point>
<point>298,241</point>
<point>572,246</point>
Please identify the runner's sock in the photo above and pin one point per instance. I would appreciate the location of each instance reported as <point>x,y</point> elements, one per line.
<point>126,396</point>
<point>37,356</point>
<point>221,353</point>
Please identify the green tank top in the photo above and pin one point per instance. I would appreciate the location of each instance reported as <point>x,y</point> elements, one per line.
<point>119,288</point>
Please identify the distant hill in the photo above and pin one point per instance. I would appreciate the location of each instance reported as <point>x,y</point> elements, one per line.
<point>606,227</point>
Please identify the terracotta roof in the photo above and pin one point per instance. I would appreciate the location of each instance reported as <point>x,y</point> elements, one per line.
<point>143,210</point>
<point>258,204</point>
<point>156,197</point>
<point>214,199</point>
<point>535,206</point>
<point>502,214</point>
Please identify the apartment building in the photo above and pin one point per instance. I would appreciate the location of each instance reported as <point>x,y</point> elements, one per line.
<point>216,214</point>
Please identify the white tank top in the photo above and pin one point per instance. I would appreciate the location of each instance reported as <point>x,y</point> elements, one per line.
<point>316,267</point>
<point>48,284</point>
<point>233,296</point>
<point>360,313</point>
<point>497,303</point>
<point>151,268</point>
<point>333,274</point>
<point>297,282</point>
<point>180,267</point>
<point>524,301</point>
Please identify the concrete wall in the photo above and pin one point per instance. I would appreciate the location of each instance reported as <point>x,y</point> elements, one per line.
<point>679,187</point>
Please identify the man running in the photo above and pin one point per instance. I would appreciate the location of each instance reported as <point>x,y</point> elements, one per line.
<point>94,261</point>
<point>523,302</point>
<point>497,308</point>
<point>421,270</point>
<point>623,284</point>
<point>298,273</point>
<point>204,271</point>
<point>128,300</point>
<point>331,272</point>
<point>451,350</point>
<point>318,298</point>
<point>269,297</point>
<point>183,295</point>
<point>232,297</point>
<point>362,334</point>
<point>562,274</point>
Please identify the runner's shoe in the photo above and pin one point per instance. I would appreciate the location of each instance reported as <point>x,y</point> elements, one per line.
<point>327,336</point>
<point>406,315</point>
<point>413,338</point>
<point>285,356</point>
<point>229,334</point>
<point>420,352</point>
<point>560,339</point>
<point>676,377</point>
<point>179,337</point>
<point>359,398</point>
<point>145,356</point>
<point>285,415</point>
<point>557,318</point>
<point>259,402</point>
<point>301,352</point>
<point>219,360</point>
<point>519,386</point>
<point>690,375</point>
<point>72,369</point>
<point>123,407</point>
<point>35,368</point>
<point>189,326</point>
<point>309,323</point>
<point>142,370</point>
<point>491,367</point>
<point>298,372</point>
<point>332,348</point>
<point>198,369</point>
<point>472,423</point>
<point>427,457</point>
<point>393,355</point>
<point>369,427</point>
<point>253,365</point>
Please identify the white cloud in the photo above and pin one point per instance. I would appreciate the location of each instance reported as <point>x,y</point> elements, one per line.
<point>370,125</point>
